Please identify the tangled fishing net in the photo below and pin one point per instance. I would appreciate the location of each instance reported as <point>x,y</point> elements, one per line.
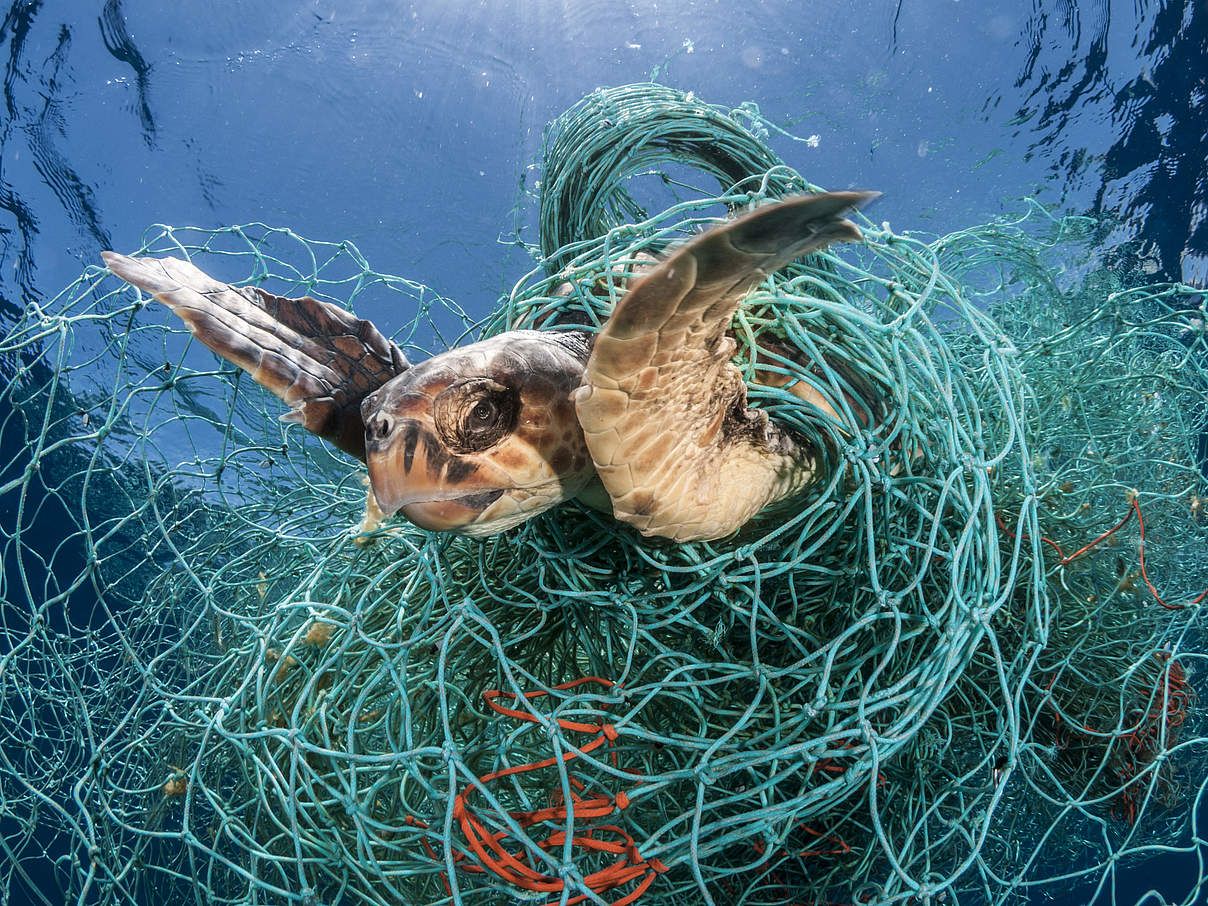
<point>962,666</point>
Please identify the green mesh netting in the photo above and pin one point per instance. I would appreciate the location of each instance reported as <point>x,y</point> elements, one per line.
<point>961,667</point>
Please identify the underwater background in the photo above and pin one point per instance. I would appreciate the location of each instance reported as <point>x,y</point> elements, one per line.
<point>411,130</point>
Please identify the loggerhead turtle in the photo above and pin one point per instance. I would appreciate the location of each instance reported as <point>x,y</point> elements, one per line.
<point>647,418</point>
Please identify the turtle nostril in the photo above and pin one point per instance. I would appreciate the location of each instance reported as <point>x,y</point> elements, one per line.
<point>382,426</point>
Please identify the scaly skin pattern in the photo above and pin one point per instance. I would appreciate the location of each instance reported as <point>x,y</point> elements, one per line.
<point>429,458</point>
<point>664,412</point>
<point>686,466</point>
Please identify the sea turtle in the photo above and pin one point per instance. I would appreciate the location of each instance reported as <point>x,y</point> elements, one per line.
<point>647,418</point>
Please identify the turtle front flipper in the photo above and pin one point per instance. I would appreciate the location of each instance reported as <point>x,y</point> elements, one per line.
<point>313,355</point>
<point>664,412</point>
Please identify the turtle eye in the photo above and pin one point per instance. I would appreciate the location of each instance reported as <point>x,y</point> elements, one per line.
<point>483,415</point>
<point>482,424</point>
<point>475,414</point>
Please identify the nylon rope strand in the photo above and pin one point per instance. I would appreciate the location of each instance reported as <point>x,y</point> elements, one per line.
<point>948,673</point>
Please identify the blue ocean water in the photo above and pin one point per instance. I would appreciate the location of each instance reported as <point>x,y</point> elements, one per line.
<point>410,129</point>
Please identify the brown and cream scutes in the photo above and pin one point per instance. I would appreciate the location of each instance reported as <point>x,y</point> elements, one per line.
<point>646,419</point>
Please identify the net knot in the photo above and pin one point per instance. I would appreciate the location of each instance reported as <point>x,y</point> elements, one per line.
<point>569,873</point>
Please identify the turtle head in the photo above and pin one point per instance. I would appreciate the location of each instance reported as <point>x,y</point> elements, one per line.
<point>480,438</point>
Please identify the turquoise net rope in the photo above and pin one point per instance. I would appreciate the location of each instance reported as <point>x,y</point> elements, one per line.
<point>914,684</point>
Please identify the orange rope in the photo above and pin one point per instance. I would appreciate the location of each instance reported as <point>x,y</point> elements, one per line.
<point>1111,531</point>
<point>1134,508</point>
<point>842,847</point>
<point>1145,575</point>
<point>1010,534</point>
<point>494,856</point>
<point>1174,691</point>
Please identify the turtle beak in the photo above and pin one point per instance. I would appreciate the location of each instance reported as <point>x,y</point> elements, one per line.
<point>411,471</point>
<point>449,515</point>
